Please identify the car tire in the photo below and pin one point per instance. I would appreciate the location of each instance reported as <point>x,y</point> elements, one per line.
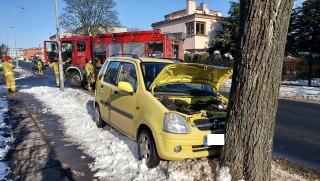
<point>147,149</point>
<point>75,79</point>
<point>97,118</point>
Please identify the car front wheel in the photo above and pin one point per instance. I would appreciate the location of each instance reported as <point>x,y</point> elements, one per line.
<point>147,149</point>
<point>97,118</point>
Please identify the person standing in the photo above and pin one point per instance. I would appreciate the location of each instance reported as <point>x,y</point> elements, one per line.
<point>39,63</point>
<point>55,65</point>
<point>89,74</point>
<point>9,74</point>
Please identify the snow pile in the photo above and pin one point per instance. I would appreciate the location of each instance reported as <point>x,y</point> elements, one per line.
<point>116,156</point>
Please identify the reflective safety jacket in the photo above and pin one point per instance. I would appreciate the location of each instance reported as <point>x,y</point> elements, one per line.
<point>39,64</point>
<point>7,68</point>
<point>55,65</point>
<point>89,69</point>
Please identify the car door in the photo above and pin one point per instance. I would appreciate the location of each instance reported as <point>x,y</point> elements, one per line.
<point>123,103</point>
<point>105,86</point>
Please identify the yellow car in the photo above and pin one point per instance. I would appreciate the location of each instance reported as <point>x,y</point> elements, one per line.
<point>172,110</point>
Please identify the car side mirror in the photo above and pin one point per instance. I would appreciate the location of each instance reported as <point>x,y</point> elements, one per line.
<point>125,86</point>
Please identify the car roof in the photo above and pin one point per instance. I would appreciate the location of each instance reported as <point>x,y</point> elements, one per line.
<point>135,58</point>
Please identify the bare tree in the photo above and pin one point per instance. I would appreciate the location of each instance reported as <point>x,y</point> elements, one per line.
<point>89,17</point>
<point>255,88</point>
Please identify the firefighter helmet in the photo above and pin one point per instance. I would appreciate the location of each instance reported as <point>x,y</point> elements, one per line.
<point>7,58</point>
<point>55,58</point>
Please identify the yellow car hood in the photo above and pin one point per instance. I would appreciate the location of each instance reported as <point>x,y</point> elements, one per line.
<point>192,73</point>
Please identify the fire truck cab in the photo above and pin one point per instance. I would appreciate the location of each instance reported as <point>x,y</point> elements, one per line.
<point>151,43</point>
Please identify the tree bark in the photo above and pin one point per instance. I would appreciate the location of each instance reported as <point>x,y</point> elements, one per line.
<point>255,88</point>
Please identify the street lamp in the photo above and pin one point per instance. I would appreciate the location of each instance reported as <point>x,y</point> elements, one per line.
<point>14,29</point>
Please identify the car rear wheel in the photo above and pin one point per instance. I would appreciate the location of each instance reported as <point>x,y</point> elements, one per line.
<point>147,149</point>
<point>75,79</point>
<point>97,118</point>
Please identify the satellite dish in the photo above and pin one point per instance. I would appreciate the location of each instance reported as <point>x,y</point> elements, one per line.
<point>206,11</point>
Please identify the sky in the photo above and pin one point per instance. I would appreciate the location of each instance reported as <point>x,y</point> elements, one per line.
<point>115,155</point>
<point>37,22</point>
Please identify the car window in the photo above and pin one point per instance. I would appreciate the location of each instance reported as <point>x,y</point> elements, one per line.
<point>112,72</point>
<point>128,74</point>
<point>102,69</point>
<point>150,71</point>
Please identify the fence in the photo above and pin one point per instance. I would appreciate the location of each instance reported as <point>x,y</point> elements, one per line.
<point>293,73</point>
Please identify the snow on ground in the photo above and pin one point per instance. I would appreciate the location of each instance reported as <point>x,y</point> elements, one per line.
<point>115,155</point>
<point>298,91</point>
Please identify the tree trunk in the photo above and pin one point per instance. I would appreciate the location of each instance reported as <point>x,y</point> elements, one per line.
<point>255,88</point>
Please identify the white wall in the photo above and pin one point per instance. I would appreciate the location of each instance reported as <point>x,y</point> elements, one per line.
<point>193,42</point>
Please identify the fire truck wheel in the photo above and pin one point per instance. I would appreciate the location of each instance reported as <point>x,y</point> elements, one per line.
<point>74,79</point>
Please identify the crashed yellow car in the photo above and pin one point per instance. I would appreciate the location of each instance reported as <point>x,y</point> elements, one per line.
<point>172,110</point>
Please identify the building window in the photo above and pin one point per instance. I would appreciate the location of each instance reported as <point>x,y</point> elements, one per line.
<point>190,28</point>
<point>200,28</point>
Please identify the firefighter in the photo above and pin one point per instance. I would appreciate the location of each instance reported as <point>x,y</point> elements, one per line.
<point>55,65</point>
<point>89,74</point>
<point>39,63</point>
<point>9,74</point>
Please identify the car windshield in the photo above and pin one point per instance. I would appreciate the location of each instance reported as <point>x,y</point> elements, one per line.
<point>150,71</point>
<point>186,88</point>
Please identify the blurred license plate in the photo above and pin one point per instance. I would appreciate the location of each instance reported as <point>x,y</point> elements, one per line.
<point>214,139</point>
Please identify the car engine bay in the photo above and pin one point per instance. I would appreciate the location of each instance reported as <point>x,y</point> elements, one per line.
<point>197,105</point>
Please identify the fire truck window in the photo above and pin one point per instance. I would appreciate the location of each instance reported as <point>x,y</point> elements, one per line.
<point>51,47</point>
<point>112,72</point>
<point>128,74</point>
<point>134,48</point>
<point>81,46</point>
<point>99,55</point>
<point>155,50</point>
<point>67,48</point>
<point>114,49</point>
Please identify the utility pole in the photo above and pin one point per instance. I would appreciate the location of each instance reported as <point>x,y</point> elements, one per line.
<point>7,46</point>
<point>59,48</point>
<point>14,29</point>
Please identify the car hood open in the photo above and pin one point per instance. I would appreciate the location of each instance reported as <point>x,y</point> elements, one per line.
<point>192,73</point>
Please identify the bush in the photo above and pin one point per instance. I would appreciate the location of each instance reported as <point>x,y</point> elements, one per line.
<point>187,57</point>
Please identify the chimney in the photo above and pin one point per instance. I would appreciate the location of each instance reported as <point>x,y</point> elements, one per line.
<point>191,7</point>
<point>203,6</point>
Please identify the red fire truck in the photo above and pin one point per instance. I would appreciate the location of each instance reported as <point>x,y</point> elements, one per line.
<point>151,43</point>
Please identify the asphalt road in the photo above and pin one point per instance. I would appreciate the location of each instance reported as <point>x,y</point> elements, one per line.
<point>297,132</point>
<point>297,135</point>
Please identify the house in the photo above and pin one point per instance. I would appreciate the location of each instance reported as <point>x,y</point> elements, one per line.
<point>14,53</point>
<point>30,53</point>
<point>62,35</point>
<point>196,25</point>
